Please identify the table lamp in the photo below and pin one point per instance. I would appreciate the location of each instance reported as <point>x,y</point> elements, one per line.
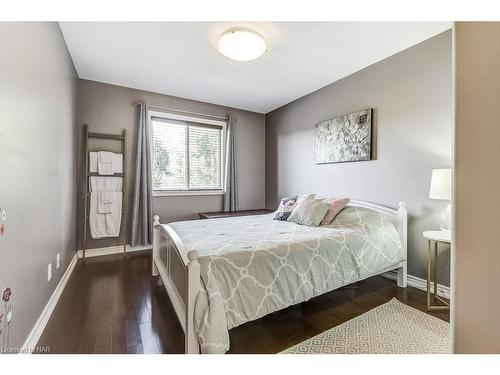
<point>441,189</point>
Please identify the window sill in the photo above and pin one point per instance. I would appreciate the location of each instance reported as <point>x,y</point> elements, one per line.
<point>181,193</point>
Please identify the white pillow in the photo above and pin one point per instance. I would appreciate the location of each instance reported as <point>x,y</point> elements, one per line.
<point>309,212</point>
<point>288,204</point>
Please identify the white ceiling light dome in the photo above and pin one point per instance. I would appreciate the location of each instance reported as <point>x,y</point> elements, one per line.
<point>241,44</point>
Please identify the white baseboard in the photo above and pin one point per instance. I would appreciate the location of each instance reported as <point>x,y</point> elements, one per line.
<point>33,337</point>
<point>417,282</point>
<point>89,253</point>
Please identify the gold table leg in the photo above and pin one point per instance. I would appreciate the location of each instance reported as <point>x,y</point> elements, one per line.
<point>429,242</point>
<point>431,271</point>
<point>435,270</point>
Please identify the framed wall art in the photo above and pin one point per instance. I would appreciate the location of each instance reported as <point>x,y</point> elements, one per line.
<point>344,138</point>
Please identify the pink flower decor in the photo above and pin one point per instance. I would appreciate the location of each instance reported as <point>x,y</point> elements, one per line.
<point>6,295</point>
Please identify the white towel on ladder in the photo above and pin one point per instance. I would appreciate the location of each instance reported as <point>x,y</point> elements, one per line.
<point>105,162</point>
<point>105,183</point>
<point>103,225</point>
<point>117,162</point>
<point>105,201</point>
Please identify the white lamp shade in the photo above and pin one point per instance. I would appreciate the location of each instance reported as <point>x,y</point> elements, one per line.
<point>440,184</point>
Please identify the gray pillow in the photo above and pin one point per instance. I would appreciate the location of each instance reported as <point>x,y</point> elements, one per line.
<point>288,204</point>
<point>309,212</point>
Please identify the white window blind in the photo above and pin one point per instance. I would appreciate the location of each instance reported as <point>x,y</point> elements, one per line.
<point>185,155</point>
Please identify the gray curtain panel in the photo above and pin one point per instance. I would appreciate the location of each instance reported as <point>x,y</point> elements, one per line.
<point>230,186</point>
<point>142,211</point>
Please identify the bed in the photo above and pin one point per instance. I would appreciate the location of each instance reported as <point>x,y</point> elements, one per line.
<point>221,273</point>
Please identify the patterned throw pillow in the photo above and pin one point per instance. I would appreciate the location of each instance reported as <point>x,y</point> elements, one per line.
<point>336,205</point>
<point>309,212</point>
<point>288,204</point>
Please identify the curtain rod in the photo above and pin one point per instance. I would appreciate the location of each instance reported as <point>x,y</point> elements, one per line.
<point>135,103</point>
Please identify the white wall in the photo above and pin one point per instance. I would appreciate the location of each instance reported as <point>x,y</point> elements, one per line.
<point>477,178</point>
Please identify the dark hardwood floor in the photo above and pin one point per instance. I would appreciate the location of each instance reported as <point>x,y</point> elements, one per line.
<point>111,304</point>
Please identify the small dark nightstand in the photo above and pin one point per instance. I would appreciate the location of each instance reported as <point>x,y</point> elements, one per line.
<point>216,215</point>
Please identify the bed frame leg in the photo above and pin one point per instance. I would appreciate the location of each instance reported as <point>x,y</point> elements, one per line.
<point>192,345</point>
<point>156,244</point>
<point>403,275</point>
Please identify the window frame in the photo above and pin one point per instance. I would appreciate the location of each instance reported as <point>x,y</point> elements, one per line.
<point>194,120</point>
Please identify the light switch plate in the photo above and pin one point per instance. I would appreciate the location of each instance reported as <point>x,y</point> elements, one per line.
<point>58,260</point>
<point>49,271</point>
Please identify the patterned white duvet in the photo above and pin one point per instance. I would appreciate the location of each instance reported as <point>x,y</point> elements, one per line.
<point>254,265</point>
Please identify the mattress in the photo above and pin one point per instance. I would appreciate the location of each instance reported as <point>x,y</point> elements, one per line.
<point>251,266</point>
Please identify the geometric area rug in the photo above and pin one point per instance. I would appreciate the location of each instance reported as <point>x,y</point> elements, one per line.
<point>391,328</point>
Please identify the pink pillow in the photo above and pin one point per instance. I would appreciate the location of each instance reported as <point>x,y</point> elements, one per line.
<point>336,204</point>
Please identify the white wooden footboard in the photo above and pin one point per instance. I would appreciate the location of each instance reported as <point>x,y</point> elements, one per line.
<point>180,275</point>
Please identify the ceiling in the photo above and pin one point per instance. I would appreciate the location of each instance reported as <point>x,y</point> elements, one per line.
<point>181,59</point>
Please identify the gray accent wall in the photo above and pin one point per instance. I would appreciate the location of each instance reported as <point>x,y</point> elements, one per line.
<point>411,94</point>
<point>107,108</point>
<point>38,88</point>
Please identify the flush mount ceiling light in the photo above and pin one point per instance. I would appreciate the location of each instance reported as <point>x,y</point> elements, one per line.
<point>241,45</point>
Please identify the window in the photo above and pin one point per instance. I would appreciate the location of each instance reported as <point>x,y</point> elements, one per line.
<point>187,154</point>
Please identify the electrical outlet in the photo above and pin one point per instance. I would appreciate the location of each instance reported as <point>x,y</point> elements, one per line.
<point>3,218</point>
<point>58,261</point>
<point>49,271</point>
<point>3,214</point>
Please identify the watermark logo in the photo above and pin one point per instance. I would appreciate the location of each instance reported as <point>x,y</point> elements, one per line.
<point>18,350</point>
